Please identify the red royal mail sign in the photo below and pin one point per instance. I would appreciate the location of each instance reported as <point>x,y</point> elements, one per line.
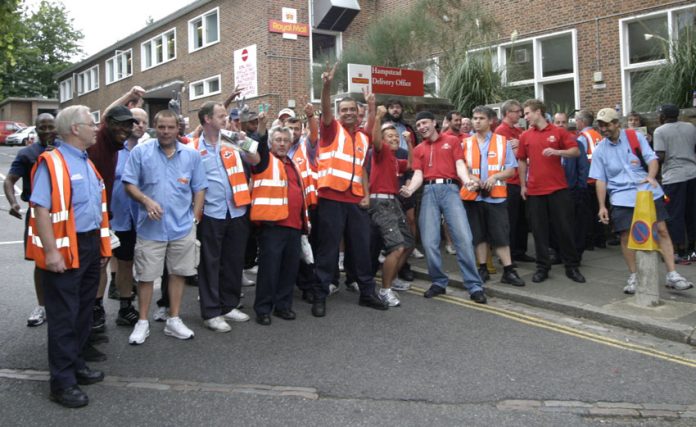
<point>397,81</point>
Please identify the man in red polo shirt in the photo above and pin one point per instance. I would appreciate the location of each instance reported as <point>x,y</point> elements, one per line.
<point>545,189</point>
<point>454,118</point>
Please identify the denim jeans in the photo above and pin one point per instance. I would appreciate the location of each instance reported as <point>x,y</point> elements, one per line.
<point>443,199</point>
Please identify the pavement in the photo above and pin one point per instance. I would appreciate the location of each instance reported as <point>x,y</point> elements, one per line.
<point>601,298</point>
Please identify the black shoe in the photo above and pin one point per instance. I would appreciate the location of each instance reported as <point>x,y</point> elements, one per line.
<point>71,397</point>
<point>308,296</point>
<point>434,291</point>
<point>263,319</point>
<point>575,275</point>
<point>95,338</point>
<point>285,314</point>
<point>478,297</point>
<point>98,319</point>
<point>540,276</point>
<point>406,273</point>
<point>113,291</point>
<point>127,316</point>
<point>91,354</point>
<point>88,376</point>
<point>485,275</point>
<point>523,258</point>
<point>318,308</point>
<point>512,278</point>
<point>373,302</point>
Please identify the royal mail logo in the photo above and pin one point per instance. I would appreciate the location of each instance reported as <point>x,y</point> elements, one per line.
<point>446,146</point>
<point>552,138</point>
<point>183,180</point>
<point>204,152</point>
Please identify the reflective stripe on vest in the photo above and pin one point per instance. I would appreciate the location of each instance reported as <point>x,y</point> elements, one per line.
<point>232,162</point>
<point>301,160</point>
<point>341,163</point>
<point>472,157</point>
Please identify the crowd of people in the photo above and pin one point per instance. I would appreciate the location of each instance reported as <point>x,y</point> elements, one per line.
<point>346,189</point>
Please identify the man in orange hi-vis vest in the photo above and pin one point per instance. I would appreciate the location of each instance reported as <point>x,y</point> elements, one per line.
<point>491,162</point>
<point>68,237</point>
<point>343,198</point>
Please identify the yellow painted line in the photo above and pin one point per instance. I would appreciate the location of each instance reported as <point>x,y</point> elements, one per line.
<point>545,324</point>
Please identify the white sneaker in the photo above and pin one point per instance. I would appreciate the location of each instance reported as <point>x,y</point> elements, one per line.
<point>246,281</point>
<point>341,255</point>
<point>140,332</point>
<point>217,324</point>
<point>417,254</point>
<point>388,297</point>
<point>176,328</point>
<point>632,281</point>
<point>333,289</point>
<point>37,316</point>
<point>352,287</point>
<point>381,257</point>
<point>161,314</point>
<point>252,270</point>
<point>400,285</point>
<point>677,281</point>
<point>236,315</point>
<point>450,250</point>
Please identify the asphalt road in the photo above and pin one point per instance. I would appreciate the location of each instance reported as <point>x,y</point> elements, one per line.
<point>436,362</point>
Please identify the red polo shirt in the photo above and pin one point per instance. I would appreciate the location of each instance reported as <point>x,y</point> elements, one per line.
<point>510,132</point>
<point>384,173</point>
<point>438,159</point>
<point>545,175</point>
<point>461,136</point>
<point>295,205</point>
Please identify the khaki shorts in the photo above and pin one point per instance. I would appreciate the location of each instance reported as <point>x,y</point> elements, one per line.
<point>151,255</point>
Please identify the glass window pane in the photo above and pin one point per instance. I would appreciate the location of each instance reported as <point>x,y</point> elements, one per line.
<point>214,86</point>
<point>171,46</point>
<point>129,64</point>
<point>685,19</point>
<point>211,28</point>
<point>520,62</point>
<point>148,55</point>
<point>640,104</point>
<point>159,53</point>
<point>198,89</point>
<point>559,97</point>
<point>323,47</point>
<point>647,39</point>
<point>557,56</point>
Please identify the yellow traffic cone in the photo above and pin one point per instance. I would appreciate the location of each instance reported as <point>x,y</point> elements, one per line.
<point>643,234</point>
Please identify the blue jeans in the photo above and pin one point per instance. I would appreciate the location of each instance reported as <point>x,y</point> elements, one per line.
<point>443,199</point>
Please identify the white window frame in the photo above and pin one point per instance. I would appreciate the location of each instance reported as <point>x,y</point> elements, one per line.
<point>153,55</point>
<point>92,74</point>
<point>65,90</point>
<point>192,32</point>
<point>96,116</point>
<point>339,51</point>
<point>112,64</point>
<point>206,92</point>
<point>626,67</point>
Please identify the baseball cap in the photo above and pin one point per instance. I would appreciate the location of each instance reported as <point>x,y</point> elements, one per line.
<point>607,115</point>
<point>234,114</point>
<point>120,113</point>
<point>670,111</point>
<point>286,111</point>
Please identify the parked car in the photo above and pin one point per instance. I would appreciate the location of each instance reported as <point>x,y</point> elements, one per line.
<point>7,128</point>
<point>24,136</point>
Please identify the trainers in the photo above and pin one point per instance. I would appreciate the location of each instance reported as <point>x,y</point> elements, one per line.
<point>353,287</point>
<point>127,316</point>
<point>140,333</point>
<point>450,250</point>
<point>400,285</point>
<point>246,281</point>
<point>98,318</point>
<point>333,289</point>
<point>388,297</point>
<point>677,282</point>
<point>341,255</point>
<point>631,283</point>
<point>681,260</point>
<point>217,324</point>
<point>692,256</point>
<point>176,328</point>
<point>417,254</point>
<point>161,314</point>
<point>37,316</point>
<point>236,315</point>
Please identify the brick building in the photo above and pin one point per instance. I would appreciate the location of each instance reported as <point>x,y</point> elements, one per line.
<point>571,54</point>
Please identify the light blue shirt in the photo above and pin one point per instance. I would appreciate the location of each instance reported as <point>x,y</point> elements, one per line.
<point>85,188</point>
<point>510,162</point>
<point>617,166</point>
<point>171,182</point>
<point>123,208</point>
<point>219,198</point>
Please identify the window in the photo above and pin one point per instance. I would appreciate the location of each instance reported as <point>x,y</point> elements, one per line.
<point>158,50</point>
<point>95,116</point>
<point>204,30</point>
<point>88,80</point>
<point>65,90</point>
<point>646,41</point>
<point>119,66</point>
<point>326,47</point>
<point>205,87</point>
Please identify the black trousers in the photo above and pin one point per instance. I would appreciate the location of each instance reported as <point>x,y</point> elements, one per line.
<point>583,219</point>
<point>556,209</point>
<point>223,244</point>
<point>69,298</point>
<point>596,232</point>
<point>334,220</point>
<point>279,262</point>
<point>518,221</point>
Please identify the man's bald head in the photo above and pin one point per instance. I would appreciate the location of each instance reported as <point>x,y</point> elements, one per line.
<point>45,128</point>
<point>42,117</point>
<point>141,122</point>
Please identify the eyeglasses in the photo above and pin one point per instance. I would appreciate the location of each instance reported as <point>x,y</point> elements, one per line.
<point>92,125</point>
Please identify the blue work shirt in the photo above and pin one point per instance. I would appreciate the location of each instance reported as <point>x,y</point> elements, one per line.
<point>171,182</point>
<point>219,198</point>
<point>510,163</point>
<point>123,207</point>
<point>617,166</point>
<point>577,168</point>
<point>85,188</point>
<point>23,164</point>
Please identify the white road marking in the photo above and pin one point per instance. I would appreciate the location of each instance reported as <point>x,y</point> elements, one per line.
<point>13,242</point>
<point>18,190</point>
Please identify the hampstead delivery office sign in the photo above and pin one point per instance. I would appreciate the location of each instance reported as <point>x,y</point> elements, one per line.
<point>385,80</point>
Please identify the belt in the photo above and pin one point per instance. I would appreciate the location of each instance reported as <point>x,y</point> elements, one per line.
<point>382,196</point>
<point>90,233</point>
<point>441,181</point>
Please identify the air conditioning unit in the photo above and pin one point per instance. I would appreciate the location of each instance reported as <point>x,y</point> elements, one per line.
<point>520,56</point>
<point>334,15</point>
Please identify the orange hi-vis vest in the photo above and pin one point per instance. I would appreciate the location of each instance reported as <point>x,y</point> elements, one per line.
<point>496,162</point>
<point>62,215</point>
<point>234,167</point>
<point>307,173</point>
<point>593,138</point>
<point>269,193</point>
<point>341,163</point>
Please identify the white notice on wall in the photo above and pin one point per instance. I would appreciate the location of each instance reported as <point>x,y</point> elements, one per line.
<point>245,72</point>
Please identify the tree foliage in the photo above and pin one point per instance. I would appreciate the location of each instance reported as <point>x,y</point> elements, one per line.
<point>10,22</point>
<point>48,41</point>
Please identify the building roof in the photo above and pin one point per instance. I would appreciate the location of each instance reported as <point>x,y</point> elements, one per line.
<point>20,99</point>
<point>167,19</point>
